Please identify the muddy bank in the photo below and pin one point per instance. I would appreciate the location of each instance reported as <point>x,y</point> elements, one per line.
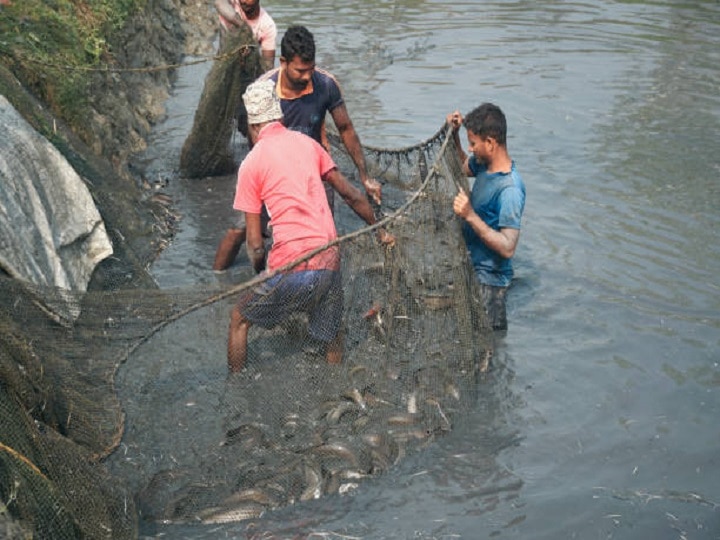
<point>58,408</point>
<point>126,104</point>
<point>123,106</point>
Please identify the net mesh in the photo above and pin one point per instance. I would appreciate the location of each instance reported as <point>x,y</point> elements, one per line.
<point>205,151</point>
<point>118,408</point>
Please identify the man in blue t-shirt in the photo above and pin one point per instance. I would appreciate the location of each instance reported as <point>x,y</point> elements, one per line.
<point>307,93</point>
<point>493,210</point>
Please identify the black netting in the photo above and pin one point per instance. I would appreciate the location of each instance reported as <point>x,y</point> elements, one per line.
<point>116,396</point>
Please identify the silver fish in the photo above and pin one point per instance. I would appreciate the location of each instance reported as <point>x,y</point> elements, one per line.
<point>356,397</point>
<point>402,419</point>
<point>255,495</point>
<point>240,512</point>
<point>339,450</point>
<point>339,411</point>
<point>313,483</point>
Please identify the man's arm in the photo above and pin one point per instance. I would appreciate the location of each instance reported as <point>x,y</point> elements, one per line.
<point>352,142</point>
<point>267,40</point>
<point>254,241</point>
<point>267,59</point>
<point>355,200</point>
<point>455,120</point>
<point>225,9</point>
<point>502,242</point>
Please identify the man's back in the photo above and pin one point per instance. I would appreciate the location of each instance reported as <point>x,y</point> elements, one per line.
<point>284,171</point>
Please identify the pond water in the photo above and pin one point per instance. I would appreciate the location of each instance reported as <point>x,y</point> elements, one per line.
<point>600,419</point>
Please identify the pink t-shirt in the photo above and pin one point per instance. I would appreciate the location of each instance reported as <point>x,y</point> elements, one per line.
<point>263,27</point>
<point>284,171</point>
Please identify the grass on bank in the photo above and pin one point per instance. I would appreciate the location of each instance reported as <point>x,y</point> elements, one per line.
<point>50,46</point>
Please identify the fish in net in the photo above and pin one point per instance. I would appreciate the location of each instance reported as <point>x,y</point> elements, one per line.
<point>131,384</point>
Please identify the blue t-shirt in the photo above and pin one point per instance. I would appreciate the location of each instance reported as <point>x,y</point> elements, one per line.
<point>306,113</point>
<point>499,199</point>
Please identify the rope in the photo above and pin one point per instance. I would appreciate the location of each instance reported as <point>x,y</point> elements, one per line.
<point>430,141</point>
<point>445,131</point>
<point>243,50</point>
<point>17,455</point>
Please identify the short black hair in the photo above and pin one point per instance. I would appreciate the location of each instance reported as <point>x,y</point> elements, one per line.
<point>487,120</point>
<point>298,41</point>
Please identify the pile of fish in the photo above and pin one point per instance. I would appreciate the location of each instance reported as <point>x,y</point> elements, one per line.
<point>292,428</point>
<point>288,438</point>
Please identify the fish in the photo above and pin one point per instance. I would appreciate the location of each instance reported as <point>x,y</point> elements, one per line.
<point>356,397</point>
<point>255,495</point>
<point>374,311</point>
<point>241,512</point>
<point>383,450</point>
<point>374,440</point>
<point>402,419</point>
<point>314,483</point>
<point>484,364</point>
<point>452,390</point>
<point>334,416</point>
<point>374,401</point>
<point>339,450</point>
<point>350,474</point>
<point>374,316</point>
<point>248,435</point>
<point>360,422</point>
<point>288,481</point>
<point>347,487</point>
<point>357,369</point>
<point>411,435</point>
<point>436,302</point>
<point>412,404</point>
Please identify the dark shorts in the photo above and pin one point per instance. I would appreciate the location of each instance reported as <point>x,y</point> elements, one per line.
<point>316,292</point>
<point>493,299</point>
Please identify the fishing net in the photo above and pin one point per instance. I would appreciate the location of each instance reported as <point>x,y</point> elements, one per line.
<point>206,151</point>
<point>117,406</point>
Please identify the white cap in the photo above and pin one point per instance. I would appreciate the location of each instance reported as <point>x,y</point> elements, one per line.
<point>261,102</point>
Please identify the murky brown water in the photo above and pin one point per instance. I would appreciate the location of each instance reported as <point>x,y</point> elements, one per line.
<point>601,419</point>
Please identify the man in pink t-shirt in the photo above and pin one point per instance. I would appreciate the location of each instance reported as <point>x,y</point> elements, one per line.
<point>285,171</point>
<point>233,13</point>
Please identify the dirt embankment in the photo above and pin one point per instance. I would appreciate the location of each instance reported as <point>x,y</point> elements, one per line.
<point>125,102</point>
<point>104,67</point>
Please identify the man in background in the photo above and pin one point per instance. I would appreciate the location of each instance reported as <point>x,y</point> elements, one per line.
<point>235,13</point>
<point>493,210</point>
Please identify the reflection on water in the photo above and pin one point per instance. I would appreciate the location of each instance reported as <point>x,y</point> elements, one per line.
<point>600,419</point>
